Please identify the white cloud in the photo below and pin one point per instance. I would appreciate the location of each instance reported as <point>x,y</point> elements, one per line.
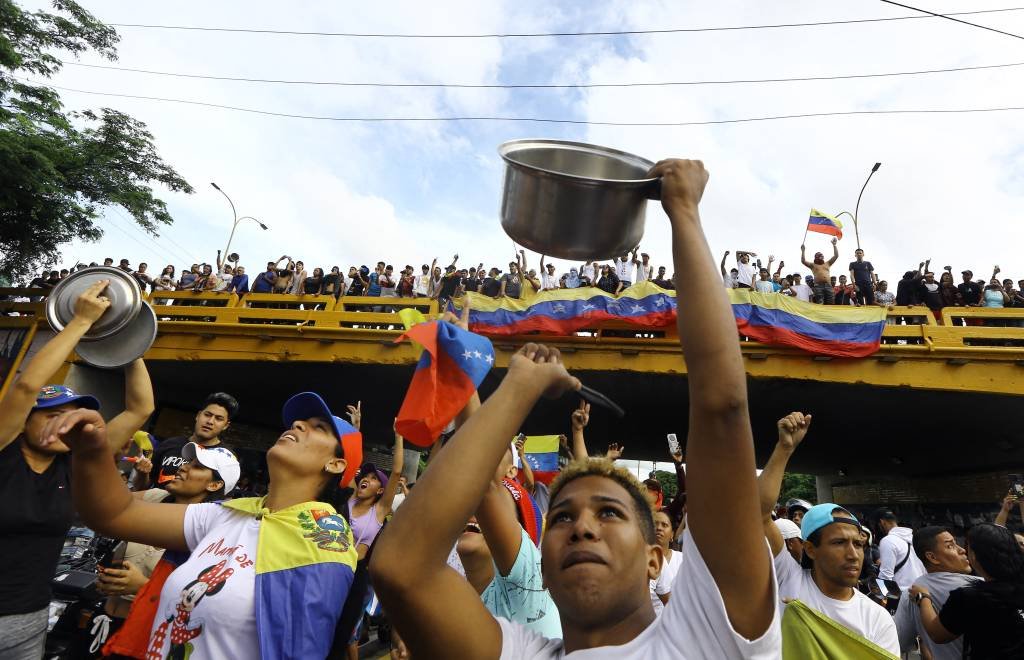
<point>949,186</point>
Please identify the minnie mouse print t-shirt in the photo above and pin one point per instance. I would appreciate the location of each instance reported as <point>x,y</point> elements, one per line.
<point>207,607</point>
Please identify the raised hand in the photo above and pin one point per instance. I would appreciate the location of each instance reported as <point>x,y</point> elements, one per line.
<point>792,429</point>
<point>462,320</point>
<point>355,413</point>
<point>90,305</point>
<point>540,366</point>
<point>834,241</point>
<point>682,183</point>
<point>615,451</point>
<point>520,444</point>
<point>581,416</point>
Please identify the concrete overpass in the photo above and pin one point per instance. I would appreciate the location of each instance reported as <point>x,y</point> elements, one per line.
<point>931,413</point>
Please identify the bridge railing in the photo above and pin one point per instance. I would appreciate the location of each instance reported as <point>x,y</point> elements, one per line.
<point>961,327</point>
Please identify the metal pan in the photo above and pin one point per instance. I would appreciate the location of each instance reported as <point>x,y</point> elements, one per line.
<point>123,291</point>
<point>129,344</point>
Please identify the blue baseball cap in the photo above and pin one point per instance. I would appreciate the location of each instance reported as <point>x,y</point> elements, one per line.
<point>821,515</point>
<point>51,396</point>
<point>305,405</point>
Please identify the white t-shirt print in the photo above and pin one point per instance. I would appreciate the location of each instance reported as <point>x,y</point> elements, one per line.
<point>207,607</point>
<point>693,625</point>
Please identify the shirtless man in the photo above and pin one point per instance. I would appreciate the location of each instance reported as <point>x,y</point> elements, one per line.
<point>823,292</point>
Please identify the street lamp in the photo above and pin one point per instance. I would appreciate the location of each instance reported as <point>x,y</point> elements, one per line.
<point>234,226</point>
<point>856,229</point>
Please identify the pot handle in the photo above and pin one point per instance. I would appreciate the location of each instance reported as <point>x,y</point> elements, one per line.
<point>653,189</point>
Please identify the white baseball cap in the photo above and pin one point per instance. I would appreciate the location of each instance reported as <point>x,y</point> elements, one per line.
<point>787,528</point>
<point>216,458</point>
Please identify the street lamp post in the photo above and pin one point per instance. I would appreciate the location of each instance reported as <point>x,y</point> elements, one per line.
<point>234,226</point>
<point>856,228</point>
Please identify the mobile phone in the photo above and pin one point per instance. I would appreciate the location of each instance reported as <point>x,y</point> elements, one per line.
<point>673,444</point>
<point>1017,485</point>
<point>113,557</point>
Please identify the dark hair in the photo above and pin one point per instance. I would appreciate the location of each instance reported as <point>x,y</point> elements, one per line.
<point>998,552</point>
<point>215,495</point>
<point>225,401</point>
<point>925,540</point>
<point>333,492</point>
<point>885,514</point>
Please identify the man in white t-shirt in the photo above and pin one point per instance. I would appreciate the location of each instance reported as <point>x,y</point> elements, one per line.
<point>644,269</point>
<point>764,285</point>
<point>548,277</point>
<point>624,269</point>
<point>599,550</point>
<point>799,289</point>
<point>747,270</point>
<point>826,579</point>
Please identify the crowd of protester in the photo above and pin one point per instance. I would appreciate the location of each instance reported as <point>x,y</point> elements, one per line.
<point>474,557</point>
<point>859,286</point>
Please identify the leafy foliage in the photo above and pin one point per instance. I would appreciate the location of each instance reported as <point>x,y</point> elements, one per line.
<point>59,169</point>
<point>668,484</point>
<point>798,485</point>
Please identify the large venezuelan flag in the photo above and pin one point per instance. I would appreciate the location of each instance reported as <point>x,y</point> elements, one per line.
<point>541,453</point>
<point>451,367</point>
<point>770,318</point>
<point>824,224</point>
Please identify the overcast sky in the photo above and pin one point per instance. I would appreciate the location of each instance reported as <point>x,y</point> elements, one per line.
<point>333,193</point>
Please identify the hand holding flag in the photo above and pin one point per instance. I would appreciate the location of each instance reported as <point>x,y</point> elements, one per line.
<point>452,366</point>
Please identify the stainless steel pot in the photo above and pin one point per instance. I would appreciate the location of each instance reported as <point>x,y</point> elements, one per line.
<point>573,200</point>
<point>125,331</point>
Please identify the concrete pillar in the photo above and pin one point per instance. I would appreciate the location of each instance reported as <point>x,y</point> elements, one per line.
<point>824,485</point>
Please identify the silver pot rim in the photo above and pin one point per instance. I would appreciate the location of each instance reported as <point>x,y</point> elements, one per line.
<point>116,320</point>
<point>507,148</point>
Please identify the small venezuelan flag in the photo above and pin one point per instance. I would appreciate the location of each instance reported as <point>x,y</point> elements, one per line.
<point>452,366</point>
<point>824,224</point>
<point>542,454</point>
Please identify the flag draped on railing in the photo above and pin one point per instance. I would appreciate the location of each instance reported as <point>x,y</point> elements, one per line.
<point>771,318</point>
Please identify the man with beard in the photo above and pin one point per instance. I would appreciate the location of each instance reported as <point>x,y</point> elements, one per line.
<point>214,418</point>
<point>823,291</point>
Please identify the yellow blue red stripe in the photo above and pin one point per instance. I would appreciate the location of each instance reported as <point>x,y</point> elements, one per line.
<point>305,564</point>
<point>824,224</point>
<point>771,318</point>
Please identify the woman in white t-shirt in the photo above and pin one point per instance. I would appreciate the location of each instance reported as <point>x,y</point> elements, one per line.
<point>599,549</point>
<point>661,587</point>
<point>252,559</point>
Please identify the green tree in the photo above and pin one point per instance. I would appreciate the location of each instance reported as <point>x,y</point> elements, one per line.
<point>798,485</point>
<point>668,484</point>
<point>59,169</point>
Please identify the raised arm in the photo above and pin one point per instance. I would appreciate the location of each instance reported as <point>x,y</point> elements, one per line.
<point>100,497</point>
<point>387,500</point>
<point>1004,511</point>
<point>779,271</point>
<point>138,405</point>
<point>524,466</point>
<point>835,253</point>
<point>411,578</point>
<point>720,447</point>
<point>37,372</point>
<point>803,256</point>
<point>722,265</point>
<point>678,503</point>
<point>496,516</point>
<point>580,418</point>
<point>792,429</point>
